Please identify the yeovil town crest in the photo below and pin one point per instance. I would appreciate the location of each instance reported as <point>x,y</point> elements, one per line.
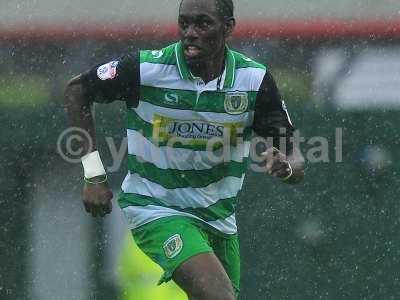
<point>236,102</point>
<point>173,246</point>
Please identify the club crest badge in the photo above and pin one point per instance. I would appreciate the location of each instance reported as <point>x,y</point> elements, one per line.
<point>236,102</point>
<point>173,246</point>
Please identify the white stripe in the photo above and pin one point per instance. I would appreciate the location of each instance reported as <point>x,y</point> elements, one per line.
<point>248,79</point>
<point>164,76</point>
<point>188,197</point>
<point>146,111</point>
<point>167,76</point>
<point>140,215</point>
<point>179,158</point>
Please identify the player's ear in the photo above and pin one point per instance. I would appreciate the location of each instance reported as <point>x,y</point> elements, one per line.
<point>230,24</point>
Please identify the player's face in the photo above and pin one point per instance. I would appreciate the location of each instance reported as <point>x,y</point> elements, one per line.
<point>201,30</point>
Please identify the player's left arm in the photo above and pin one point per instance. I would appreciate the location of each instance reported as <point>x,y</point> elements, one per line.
<point>272,120</point>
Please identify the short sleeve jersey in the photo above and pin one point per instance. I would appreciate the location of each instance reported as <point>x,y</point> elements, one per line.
<point>188,141</point>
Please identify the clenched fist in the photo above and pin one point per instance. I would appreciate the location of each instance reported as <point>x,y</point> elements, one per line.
<point>97,198</point>
<point>277,164</point>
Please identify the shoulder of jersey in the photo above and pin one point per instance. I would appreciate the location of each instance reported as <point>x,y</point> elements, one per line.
<point>243,61</point>
<point>162,56</point>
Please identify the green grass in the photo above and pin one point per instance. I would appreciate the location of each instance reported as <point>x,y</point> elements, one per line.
<point>24,91</point>
<point>294,86</point>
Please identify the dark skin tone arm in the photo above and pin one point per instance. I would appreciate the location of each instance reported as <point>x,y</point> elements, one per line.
<point>277,164</point>
<point>96,197</point>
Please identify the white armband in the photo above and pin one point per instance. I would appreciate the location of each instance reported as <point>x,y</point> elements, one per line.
<point>92,165</point>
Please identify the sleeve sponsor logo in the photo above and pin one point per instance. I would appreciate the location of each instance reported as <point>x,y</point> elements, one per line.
<point>107,71</point>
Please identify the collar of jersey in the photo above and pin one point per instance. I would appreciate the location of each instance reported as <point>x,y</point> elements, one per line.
<point>187,75</point>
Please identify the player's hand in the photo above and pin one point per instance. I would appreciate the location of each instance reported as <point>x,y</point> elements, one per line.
<point>277,163</point>
<point>97,199</point>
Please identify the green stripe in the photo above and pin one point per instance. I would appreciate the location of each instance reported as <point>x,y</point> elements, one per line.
<point>137,123</point>
<point>173,179</point>
<point>181,63</point>
<point>209,101</point>
<point>220,210</point>
<point>155,57</point>
<point>169,57</point>
<point>230,62</point>
<point>160,96</point>
<point>241,62</point>
<point>146,129</point>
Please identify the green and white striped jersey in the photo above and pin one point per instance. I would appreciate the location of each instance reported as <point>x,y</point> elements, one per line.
<point>188,141</point>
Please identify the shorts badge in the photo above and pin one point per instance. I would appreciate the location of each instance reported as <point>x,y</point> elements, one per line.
<point>173,246</point>
<point>236,102</point>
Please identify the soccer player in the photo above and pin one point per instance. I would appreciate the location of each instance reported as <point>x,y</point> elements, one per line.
<point>191,110</point>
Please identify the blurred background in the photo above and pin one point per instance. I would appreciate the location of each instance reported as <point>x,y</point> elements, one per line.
<point>336,236</point>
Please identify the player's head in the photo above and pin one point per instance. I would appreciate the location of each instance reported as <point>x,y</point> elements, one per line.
<point>204,26</point>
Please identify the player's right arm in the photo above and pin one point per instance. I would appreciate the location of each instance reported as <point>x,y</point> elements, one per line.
<point>116,80</point>
<point>271,120</point>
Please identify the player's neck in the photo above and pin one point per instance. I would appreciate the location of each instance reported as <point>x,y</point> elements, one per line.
<point>211,69</point>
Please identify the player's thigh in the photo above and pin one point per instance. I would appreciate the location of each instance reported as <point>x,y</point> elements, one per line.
<point>170,242</point>
<point>204,277</point>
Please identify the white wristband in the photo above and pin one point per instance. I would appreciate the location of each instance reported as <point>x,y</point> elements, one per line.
<point>92,165</point>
